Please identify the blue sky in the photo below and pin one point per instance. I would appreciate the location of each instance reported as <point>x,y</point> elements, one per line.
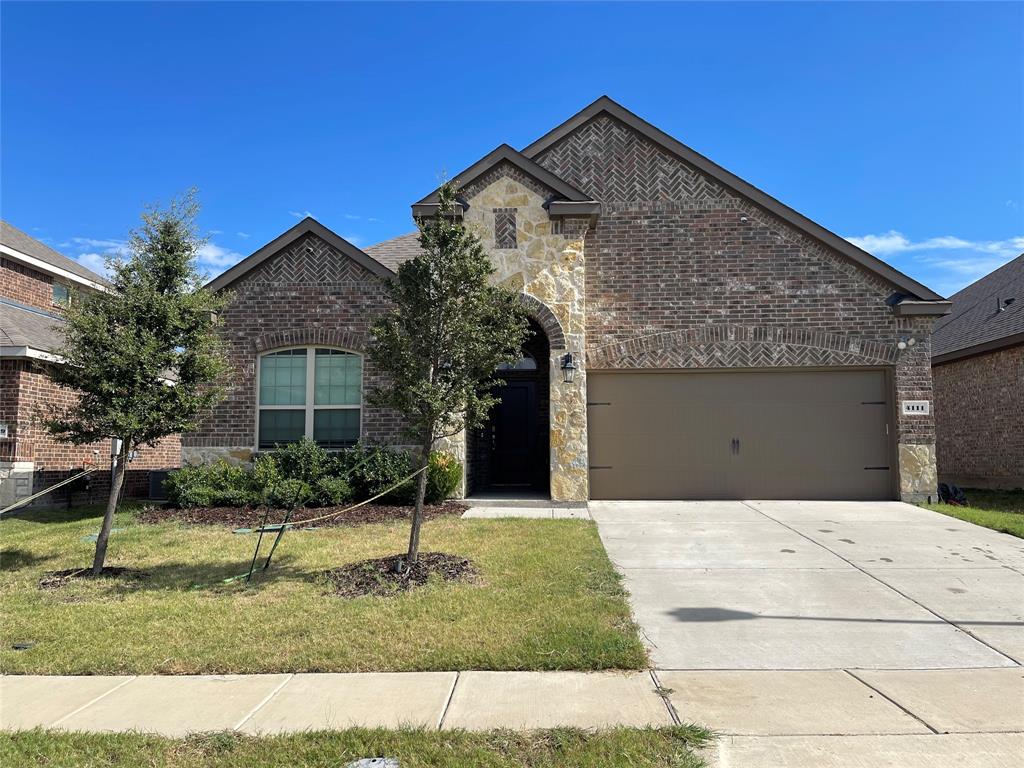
<point>897,125</point>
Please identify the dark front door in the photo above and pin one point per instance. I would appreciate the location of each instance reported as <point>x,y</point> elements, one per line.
<point>514,434</point>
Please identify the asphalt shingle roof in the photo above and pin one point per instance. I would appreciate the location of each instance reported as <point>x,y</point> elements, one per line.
<point>14,238</point>
<point>392,253</point>
<point>976,317</point>
<point>22,326</point>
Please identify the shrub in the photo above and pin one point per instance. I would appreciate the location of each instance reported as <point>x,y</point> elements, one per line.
<point>330,491</point>
<point>443,476</point>
<point>288,492</point>
<point>305,461</point>
<point>211,485</point>
<point>374,469</point>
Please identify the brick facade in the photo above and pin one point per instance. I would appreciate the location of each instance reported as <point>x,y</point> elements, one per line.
<point>678,271</point>
<point>25,285</point>
<point>29,457</point>
<point>980,406</point>
<point>682,273</point>
<point>309,293</point>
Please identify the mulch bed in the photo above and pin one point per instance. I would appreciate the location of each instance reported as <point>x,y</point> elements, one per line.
<point>379,576</point>
<point>57,579</point>
<point>252,517</point>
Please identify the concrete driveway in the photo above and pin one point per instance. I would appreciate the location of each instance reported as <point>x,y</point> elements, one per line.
<point>798,585</point>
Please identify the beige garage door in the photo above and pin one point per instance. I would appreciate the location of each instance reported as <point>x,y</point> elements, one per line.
<point>739,435</point>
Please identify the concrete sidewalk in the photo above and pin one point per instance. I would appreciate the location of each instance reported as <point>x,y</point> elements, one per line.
<point>738,703</point>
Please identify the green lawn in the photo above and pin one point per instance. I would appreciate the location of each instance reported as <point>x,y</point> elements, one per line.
<point>549,599</point>
<point>616,748</point>
<point>999,510</point>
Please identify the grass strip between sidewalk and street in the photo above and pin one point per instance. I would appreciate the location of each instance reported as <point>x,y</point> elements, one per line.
<point>556,748</point>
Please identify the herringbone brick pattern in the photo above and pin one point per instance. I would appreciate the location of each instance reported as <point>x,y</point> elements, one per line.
<point>609,161</point>
<point>505,228</point>
<point>734,346</point>
<point>309,260</point>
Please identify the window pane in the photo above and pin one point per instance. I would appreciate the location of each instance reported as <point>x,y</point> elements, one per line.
<point>283,378</point>
<point>338,377</point>
<point>281,427</point>
<point>336,428</point>
<point>61,294</point>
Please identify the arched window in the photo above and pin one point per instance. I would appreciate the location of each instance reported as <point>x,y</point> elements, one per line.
<point>309,391</point>
<point>525,363</point>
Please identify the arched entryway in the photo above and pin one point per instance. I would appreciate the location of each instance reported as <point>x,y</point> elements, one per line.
<point>510,454</point>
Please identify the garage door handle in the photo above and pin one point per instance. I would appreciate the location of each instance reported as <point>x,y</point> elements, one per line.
<point>735,446</point>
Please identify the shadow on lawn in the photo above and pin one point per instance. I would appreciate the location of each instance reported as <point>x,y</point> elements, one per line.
<point>203,578</point>
<point>16,559</point>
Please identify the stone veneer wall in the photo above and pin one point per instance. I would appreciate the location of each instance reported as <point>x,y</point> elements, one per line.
<point>979,411</point>
<point>547,266</point>
<point>684,273</point>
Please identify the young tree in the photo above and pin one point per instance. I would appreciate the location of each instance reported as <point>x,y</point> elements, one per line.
<point>439,346</point>
<point>143,357</point>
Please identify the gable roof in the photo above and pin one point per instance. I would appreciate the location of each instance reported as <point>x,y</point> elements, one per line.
<point>43,257</point>
<point>736,184</point>
<point>981,321</point>
<point>506,154</point>
<point>308,226</point>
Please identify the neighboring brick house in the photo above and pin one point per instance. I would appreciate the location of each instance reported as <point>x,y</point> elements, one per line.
<point>723,345</point>
<point>35,283</point>
<point>978,370</point>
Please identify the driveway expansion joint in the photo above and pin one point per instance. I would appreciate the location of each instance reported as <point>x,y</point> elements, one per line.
<point>892,701</point>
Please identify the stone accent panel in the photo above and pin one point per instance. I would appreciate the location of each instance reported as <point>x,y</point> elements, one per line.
<point>548,269</point>
<point>309,293</point>
<point>979,411</point>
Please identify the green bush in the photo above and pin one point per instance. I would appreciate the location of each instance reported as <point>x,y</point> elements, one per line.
<point>331,491</point>
<point>305,473</point>
<point>212,485</point>
<point>443,477</point>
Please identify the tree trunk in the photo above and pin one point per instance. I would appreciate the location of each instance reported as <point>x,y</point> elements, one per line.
<point>116,482</point>
<point>417,513</point>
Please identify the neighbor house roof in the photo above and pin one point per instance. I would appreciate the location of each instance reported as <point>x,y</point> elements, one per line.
<point>718,173</point>
<point>307,226</point>
<point>394,252</point>
<point>17,245</point>
<point>987,315</point>
<point>28,331</point>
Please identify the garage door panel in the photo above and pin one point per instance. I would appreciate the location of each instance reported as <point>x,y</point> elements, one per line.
<point>793,434</point>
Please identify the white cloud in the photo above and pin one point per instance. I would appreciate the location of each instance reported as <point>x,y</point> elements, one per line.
<point>112,247</point>
<point>946,263</point>
<point>893,242</point>
<point>94,261</point>
<point>213,255</point>
<point>243,235</point>
<point>301,214</point>
<point>356,240</point>
<point>352,217</point>
<point>216,232</point>
<point>376,221</point>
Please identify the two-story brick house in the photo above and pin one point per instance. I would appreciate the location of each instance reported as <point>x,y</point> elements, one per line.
<point>722,345</point>
<point>36,282</point>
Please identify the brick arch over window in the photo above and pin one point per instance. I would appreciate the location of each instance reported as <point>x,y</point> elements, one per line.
<point>738,346</point>
<point>540,312</point>
<point>298,337</point>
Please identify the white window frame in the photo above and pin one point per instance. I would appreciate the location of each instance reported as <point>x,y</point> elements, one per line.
<point>310,406</point>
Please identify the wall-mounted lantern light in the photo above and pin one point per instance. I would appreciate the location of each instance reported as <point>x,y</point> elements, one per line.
<point>568,368</point>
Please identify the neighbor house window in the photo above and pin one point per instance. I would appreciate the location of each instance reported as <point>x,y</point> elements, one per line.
<point>314,392</point>
<point>61,294</point>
